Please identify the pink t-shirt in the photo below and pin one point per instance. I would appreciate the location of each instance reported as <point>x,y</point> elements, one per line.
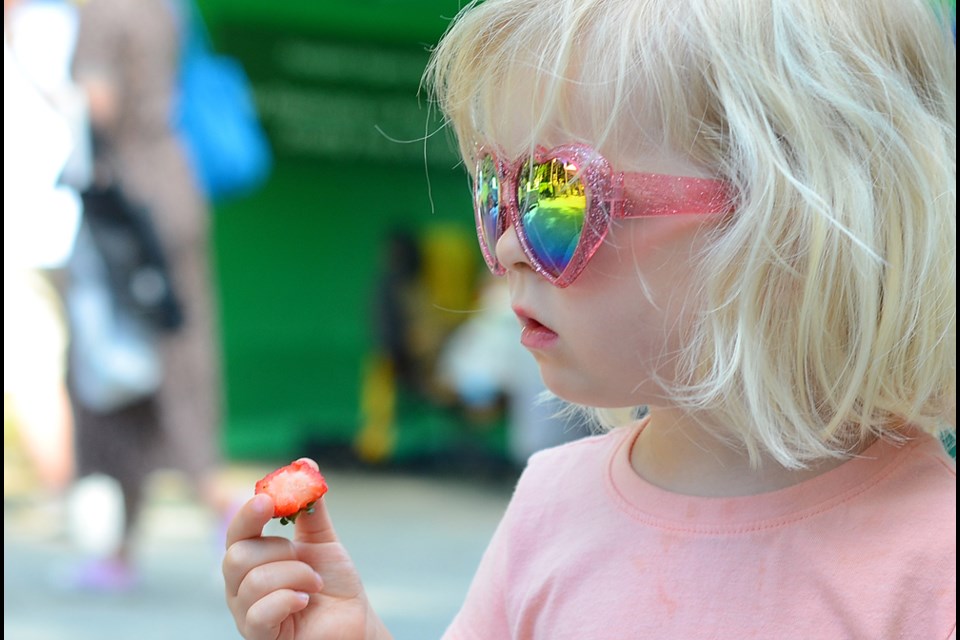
<point>587,549</point>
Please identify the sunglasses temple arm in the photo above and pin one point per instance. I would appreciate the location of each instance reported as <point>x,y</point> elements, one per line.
<point>652,195</point>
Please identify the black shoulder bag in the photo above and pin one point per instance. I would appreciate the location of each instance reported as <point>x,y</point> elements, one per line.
<point>133,254</point>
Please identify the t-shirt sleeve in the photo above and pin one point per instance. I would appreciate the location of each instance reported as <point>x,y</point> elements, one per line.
<point>506,593</point>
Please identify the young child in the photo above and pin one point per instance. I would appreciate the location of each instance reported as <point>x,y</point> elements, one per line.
<point>740,216</point>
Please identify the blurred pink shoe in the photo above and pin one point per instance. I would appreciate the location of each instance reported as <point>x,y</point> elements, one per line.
<point>104,576</point>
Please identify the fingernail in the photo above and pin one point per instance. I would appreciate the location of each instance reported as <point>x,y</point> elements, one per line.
<point>310,461</point>
<point>302,597</point>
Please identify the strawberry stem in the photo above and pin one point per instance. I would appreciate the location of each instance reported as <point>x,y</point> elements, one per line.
<point>293,517</point>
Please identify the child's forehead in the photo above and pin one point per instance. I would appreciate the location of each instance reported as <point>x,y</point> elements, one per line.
<point>516,122</point>
<point>548,112</point>
<point>629,148</point>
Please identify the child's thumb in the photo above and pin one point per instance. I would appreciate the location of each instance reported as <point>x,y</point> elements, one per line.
<point>315,527</point>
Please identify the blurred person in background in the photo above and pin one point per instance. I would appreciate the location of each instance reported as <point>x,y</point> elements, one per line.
<point>127,60</point>
<point>426,282</point>
<point>44,164</point>
<point>398,298</point>
<point>397,364</point>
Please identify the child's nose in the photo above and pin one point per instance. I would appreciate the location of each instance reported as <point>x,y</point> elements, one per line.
<point>509,252</point>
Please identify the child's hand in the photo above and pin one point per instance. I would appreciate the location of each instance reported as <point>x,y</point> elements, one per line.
<point>307,588</point>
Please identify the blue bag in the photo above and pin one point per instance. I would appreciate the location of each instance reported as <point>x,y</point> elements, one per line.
<point>218,120</point>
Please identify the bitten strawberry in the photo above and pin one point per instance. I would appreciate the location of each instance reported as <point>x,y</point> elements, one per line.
<point>294,488</point>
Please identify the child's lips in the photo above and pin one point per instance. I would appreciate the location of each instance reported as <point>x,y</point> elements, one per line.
<point>533,333</point>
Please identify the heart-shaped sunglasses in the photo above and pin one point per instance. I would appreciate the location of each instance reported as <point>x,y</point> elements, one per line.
<point>562,202</point>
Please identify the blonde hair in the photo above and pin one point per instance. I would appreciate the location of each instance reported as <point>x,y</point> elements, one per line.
<point>827,307</point>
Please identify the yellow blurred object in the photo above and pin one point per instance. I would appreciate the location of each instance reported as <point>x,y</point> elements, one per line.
<point>377,437</point>
<point>450,270</point>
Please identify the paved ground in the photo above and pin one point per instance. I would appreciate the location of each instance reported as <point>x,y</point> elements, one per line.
<point>416,538</point>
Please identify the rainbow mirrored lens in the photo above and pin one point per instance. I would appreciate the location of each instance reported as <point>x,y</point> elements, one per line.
<point>553,207</point>
<point>487,195</point>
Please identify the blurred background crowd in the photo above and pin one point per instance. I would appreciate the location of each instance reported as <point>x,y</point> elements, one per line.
<point>336,307</point>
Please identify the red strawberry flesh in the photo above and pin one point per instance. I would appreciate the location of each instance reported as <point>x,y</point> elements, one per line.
<point>294,488</point>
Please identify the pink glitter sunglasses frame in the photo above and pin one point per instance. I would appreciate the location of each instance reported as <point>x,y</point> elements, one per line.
<point>610,196</point>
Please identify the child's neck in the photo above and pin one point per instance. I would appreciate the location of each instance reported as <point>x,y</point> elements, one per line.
<point>678,455</point>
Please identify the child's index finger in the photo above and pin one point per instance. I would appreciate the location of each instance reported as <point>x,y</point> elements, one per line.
<point>250,520</point>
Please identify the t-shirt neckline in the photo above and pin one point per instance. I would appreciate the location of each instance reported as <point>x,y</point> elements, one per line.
<point>647,502</point>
